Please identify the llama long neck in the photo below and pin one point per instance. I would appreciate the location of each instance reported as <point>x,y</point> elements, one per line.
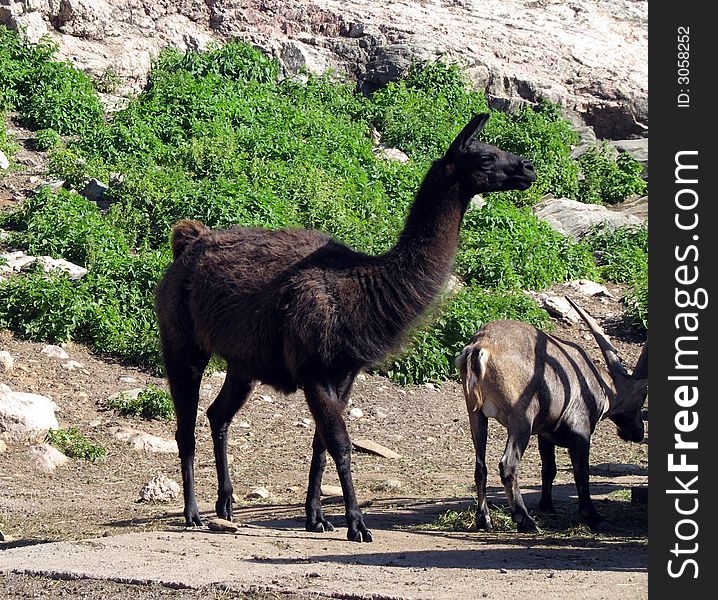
<point>427,245</point>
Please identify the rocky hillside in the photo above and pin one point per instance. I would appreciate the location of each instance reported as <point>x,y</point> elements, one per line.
<point>588,55</point>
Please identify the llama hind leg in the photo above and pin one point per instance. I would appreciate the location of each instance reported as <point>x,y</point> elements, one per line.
<point>233,395</point>
<point>313,507</point>
<point>322,400</point>
<point>184,377</point>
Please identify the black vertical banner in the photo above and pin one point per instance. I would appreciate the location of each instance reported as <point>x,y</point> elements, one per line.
<point>683,264</point>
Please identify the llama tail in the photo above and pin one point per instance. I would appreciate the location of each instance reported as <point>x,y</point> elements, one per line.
<point>185,233</point>
<point>472,366</point>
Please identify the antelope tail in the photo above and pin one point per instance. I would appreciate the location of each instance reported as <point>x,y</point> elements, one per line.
<point>472,367</point>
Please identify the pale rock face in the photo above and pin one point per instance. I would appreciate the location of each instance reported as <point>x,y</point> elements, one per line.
<point>589,56</point>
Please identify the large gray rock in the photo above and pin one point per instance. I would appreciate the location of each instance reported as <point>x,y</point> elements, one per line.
<point>589,56</point>
<point>576,219</point>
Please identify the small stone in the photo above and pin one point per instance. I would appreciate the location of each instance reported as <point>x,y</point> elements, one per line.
<point>356,413</point>
<point>7,362</point>
<point>374,448</point>
<point>95,190</point>
<point>55,352</point>
<point>159,489</point>
<point>392,484</point>
<point>503,571</point>
<point>331,490</point>
<point>222,525</point>
<point>266,398</point>
<point>71,365</point>
<point>3,446</point>
<point>259,493</point>
<point>429,386</point>
<point>301,424</point>
<point>380,413</point>
<point>4,162</point>
<point>47,458</point>
<point>244,425</point>
<point>127,379</point>
<point>132,394</point>
<point>144,442</point>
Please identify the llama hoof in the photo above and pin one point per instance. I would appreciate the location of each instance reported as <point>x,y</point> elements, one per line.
<point>547,507</point>
<point>223,508</point>
<point>359,536</point>
<point>320,526</point>
<point>193,521</point>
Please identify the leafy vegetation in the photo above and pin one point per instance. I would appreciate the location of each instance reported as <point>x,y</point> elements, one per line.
<point>217,137</point>
<point>74,444</point>
<point>7,146</point>
<point>609,180</point>
<point>623,258</point>
<point>151,403</point>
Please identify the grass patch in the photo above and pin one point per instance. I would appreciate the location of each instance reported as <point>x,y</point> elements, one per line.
<point>624,520</point>
<point>151,403</point>
<point>74,444</point>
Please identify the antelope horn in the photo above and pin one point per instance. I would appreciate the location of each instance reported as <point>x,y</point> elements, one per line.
<point>641,369</point>
<point>610,354</point>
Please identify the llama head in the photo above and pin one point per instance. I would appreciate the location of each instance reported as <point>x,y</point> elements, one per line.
<point>486,168</point>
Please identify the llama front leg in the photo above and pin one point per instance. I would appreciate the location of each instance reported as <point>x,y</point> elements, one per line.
<point>231,398</point>
<point>332,431</point>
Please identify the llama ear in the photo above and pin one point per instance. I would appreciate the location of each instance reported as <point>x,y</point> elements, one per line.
<point>468,133</point>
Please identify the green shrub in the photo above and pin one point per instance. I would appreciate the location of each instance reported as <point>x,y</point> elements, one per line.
<point>47,139</point>
<point>7,145</point>
<point>42,308</point>
<point>434,348</point>
<point>637,303</point>
<point>609,180</point>
<point>47,93</point>
<point>623,258</point>
<point>151,403</point>
<point>74,444</point>
<point>623,252</point>
<point>507,247</point>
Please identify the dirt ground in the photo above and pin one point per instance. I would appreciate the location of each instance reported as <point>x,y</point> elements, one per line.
<point>270,446</point>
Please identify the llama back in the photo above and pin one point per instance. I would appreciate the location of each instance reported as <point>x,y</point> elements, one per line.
<point>184,233</point>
